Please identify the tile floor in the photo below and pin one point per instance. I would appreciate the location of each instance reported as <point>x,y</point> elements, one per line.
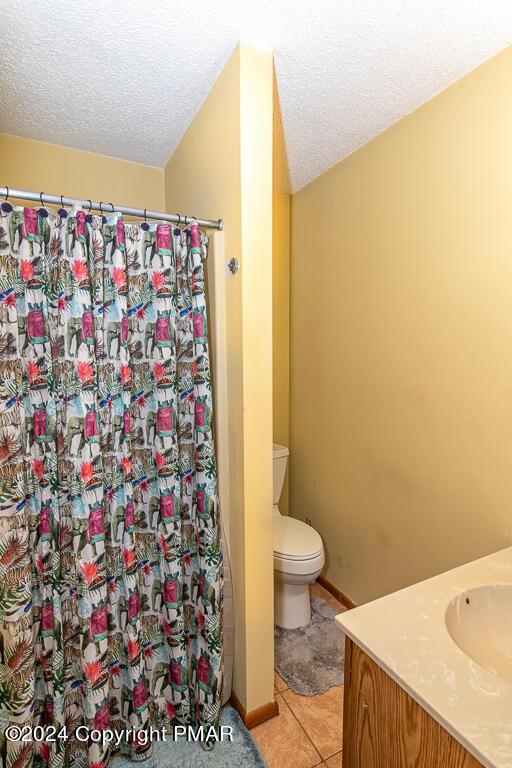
<point>308,730</point>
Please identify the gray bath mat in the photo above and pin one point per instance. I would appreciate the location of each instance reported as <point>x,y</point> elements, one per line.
<point>311,658</point>
<point>242,752</point>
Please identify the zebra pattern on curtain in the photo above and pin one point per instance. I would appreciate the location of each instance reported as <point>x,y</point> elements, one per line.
<point>110,558</point>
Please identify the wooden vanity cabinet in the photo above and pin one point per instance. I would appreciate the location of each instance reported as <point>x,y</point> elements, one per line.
<point>384,727</point>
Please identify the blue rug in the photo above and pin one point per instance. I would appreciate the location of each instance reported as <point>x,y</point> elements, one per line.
<point>242,752</point>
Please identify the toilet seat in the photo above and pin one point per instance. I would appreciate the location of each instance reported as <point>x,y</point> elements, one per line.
<point>298,548</point>
<point>303,567</point>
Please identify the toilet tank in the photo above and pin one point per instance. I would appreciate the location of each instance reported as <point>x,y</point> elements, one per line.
<point>280,460</point>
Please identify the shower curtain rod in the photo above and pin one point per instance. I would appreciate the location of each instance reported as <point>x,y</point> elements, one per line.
<point>88,205</point>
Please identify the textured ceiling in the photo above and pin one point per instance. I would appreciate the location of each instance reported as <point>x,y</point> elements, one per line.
<point>125,77</point>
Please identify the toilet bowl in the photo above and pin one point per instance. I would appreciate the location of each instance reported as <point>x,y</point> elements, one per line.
<point>298,557</point>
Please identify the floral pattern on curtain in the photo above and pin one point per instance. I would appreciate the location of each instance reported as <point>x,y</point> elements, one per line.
<point>110,559</point>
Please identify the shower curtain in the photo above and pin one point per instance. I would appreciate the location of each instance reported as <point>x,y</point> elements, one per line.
<point>110,555</point>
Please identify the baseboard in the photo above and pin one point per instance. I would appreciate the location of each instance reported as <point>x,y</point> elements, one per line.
<point>256,716</point>
<point>340,596</point>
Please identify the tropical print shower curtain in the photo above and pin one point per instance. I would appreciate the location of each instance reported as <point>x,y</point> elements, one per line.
<point>110,559</point>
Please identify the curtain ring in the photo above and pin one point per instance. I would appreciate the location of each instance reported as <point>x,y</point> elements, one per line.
<point>88,217</point>
<point>145,225</point>
<point>62,211</point>
<point>42,211</point>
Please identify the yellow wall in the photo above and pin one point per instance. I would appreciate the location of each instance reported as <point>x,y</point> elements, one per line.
<point>401,342</point>
<point>280,285</point>
<point>281,325</point>
<point>223,167</point>
<point>37,166</point>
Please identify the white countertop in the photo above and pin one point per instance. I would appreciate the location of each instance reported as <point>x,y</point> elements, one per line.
<point>405,634</point>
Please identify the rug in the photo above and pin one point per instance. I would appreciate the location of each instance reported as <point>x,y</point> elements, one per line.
<point>242,752</point>
<point>311,659</point>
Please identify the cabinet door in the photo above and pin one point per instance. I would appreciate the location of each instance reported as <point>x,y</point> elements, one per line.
<point>383,727</point>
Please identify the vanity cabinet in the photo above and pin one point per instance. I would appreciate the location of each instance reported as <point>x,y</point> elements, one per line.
<point>384,727</point>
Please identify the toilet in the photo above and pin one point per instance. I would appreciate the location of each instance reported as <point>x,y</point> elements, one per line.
<point>298,556</point>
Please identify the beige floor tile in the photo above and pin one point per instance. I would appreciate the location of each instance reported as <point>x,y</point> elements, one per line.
<point>316,590</point>
<point>283,742</point>
<point>279,683</point>
<point>321,717</point>
<point>335,761</point>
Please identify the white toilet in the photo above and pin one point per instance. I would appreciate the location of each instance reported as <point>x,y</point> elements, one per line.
<point>298,557</point>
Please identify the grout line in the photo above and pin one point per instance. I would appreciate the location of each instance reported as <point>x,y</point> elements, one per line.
<point>290,707</point>
<point>284,681</point>
<point>339,752</point>
<point>306,734</point>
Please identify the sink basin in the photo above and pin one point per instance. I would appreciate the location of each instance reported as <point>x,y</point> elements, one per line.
<point>480,622</point>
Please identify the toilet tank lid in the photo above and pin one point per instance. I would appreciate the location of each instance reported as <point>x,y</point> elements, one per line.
<point>280,451</point>
<point>294,539</point>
